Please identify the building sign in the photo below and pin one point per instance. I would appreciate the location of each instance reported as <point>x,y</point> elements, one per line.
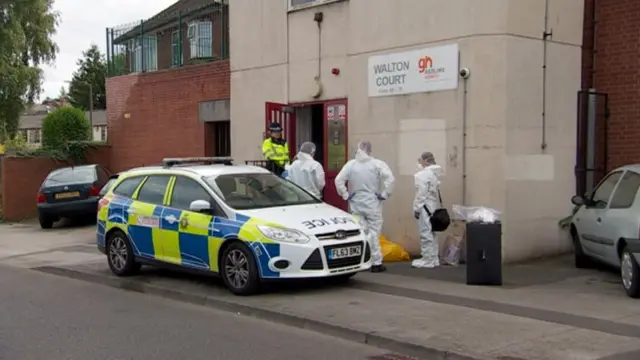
<point>416,71</point>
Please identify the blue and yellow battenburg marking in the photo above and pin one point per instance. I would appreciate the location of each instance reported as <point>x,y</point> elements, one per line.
<point>156,233</point>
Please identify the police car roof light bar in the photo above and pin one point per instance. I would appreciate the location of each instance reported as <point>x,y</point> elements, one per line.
<point>169,162</point>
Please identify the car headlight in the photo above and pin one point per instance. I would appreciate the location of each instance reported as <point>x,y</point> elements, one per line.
<point>283,235</point>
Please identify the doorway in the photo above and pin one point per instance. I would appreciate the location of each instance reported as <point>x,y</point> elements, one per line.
<point>325,124</point>
<point>309,127</point>
<point>217,139</point>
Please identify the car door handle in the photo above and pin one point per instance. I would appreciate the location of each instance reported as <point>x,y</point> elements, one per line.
<point>599,219</point>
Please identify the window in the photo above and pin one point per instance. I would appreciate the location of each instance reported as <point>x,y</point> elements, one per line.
<point>144,54</point>
<point>603,192</point>
<point>103,133</point>
<point>298,4</point>
<point>153,190</point>
<point>33,136</point>
<point>128,186</point>
<point>109,184</point>
<point>255,191</point>
<point>626,191</point>
<point>187,191</point>
<point>200,34</point>
<point>71,175</point>
<point>103,176</point>
<point>176,52</point>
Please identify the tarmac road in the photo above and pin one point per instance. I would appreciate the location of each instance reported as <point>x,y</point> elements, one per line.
<point>53,318</point>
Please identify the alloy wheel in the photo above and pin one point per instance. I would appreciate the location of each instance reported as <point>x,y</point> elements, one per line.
<point>237,269</point>
<point>626,270</point>
<point>118,253</point>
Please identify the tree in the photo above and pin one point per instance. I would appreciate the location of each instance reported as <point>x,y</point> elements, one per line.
<point>89,78</point>
<point>63,93</point>
<point>26,29</point>
<point>64,125</point>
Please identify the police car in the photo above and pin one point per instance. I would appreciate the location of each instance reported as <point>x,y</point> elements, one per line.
<point>241,222</point>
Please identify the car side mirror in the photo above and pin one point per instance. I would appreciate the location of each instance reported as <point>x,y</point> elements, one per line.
<point>200,206</point>
<point>578,200</point>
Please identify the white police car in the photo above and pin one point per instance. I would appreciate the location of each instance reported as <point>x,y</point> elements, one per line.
<point>242,222</point>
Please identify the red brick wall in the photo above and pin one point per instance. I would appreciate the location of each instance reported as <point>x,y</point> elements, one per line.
<point>617,72</point>
<point>22,177</point>
<point>155,115</point>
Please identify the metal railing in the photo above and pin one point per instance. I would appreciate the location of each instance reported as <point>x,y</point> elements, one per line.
<point>170,39</point>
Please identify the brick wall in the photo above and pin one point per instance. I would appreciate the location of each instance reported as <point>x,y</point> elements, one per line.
<point>22,177</point>
<point>155,115</point>
<point>617,72</point>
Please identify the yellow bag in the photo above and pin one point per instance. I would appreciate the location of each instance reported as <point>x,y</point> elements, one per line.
<point>392,252</point>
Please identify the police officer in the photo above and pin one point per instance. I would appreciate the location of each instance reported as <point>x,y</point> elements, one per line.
<point>275,149</point>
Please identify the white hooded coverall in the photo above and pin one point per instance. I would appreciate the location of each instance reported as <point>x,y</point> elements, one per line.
<point>427,194</point>
<point>368,178</point>
<point>307,173</point>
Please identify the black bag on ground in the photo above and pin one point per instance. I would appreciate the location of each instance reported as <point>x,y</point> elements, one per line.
<point>440,219</point>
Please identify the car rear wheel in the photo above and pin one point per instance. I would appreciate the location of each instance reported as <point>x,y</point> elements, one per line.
<point>46,222</point>
<point>239,270</point>
<point>581,260</point>
<point>120,255</point>
<point>630,274</point>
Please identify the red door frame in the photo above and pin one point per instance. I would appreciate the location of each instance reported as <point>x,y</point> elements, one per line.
<point>331,194</point>
<point>274,112</point>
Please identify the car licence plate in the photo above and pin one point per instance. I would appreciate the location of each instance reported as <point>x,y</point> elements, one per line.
<point>345,252</point>
<point>67,195</point>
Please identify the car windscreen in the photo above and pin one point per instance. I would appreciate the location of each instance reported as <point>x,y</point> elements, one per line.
<point>65,176</point>
<point>256,191</point>
<point>108,185</point>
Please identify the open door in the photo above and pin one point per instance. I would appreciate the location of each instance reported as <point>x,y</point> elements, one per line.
<point>335,148</point>
<point>284,115</point>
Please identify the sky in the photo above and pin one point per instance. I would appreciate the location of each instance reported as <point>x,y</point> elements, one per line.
<point>82,25</point>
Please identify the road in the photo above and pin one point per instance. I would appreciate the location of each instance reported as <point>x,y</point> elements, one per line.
<point>53,318</point>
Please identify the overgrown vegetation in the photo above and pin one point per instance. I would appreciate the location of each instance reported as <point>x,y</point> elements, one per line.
<point>64,125</point>
<point>66,136</point>
<point>26,42</point>
<point>566,222</point>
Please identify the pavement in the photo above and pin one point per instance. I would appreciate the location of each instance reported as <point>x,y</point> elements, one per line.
<point>545,311</point>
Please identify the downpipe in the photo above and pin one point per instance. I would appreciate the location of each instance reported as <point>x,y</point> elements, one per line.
<point>464,74</point>
<point>546,35</point>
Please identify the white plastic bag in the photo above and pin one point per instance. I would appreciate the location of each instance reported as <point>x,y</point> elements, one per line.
<point>452,255</point>
<point>476,214</point>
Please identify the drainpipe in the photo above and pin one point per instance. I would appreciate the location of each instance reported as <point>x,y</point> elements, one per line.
<point>464,140</point>
<point>546,34</point>
<point>594,50</point>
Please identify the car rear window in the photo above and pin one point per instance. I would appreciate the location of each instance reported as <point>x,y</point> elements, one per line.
<point>78,175</point>
<point>128,186</point>
<point>108,185</point>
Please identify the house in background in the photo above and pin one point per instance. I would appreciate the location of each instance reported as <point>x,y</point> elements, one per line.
<point>30,126</point>
<point>168,86</point>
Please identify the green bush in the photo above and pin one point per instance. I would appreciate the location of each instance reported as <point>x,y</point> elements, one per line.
<point>17,144</point>
<point>65,125</point>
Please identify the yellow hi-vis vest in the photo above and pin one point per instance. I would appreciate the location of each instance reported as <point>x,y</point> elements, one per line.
<point>276,150</point>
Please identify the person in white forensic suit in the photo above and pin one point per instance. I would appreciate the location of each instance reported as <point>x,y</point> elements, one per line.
<point>370,183</point>
<point>306,172</point>
<point>427,196</point>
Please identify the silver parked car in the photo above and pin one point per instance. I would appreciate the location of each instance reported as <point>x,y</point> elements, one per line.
<point>606,226</point>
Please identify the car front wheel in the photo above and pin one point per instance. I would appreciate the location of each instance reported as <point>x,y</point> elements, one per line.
<point>239,271</point>
<point>630,274</point>
<point>120,255</point>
